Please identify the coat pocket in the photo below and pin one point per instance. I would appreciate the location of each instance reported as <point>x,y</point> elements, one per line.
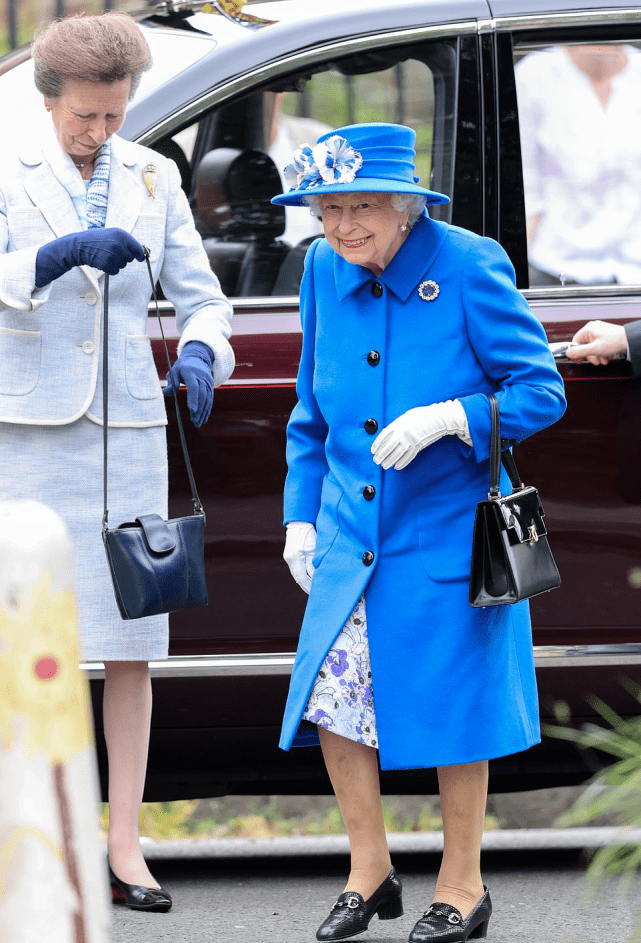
<point>140,369</point>
<point>327,526</point>
<point>20,356</point>
<point>445,528</point>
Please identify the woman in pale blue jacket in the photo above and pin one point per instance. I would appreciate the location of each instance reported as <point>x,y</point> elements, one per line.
<point>408,324</point>
<point>80,202</point>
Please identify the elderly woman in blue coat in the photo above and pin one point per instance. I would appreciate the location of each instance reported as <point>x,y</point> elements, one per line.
<point>408,324</point>
<point>76,203</point>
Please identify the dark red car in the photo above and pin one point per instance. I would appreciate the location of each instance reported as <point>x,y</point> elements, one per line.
<point>229,100</point>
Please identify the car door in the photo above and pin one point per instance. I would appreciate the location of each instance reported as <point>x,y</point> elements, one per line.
<point>567,152</point>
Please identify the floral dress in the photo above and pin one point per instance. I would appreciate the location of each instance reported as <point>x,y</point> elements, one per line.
<point>342,699</point>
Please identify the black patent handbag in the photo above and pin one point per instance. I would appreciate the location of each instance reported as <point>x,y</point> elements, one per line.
<point>156,565</point>
<point>511,556</point>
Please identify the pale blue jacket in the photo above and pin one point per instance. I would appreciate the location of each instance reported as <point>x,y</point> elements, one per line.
<point>50,338</point>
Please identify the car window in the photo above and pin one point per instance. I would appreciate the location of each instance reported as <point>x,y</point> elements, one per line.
<point>580,128</point>
<point>232,159</point>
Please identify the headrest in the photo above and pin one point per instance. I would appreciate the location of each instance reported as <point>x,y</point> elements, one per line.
<point>233,193</point>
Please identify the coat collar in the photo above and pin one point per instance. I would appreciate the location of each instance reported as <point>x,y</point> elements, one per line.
<point>53,200</point>
<point>406,270</point>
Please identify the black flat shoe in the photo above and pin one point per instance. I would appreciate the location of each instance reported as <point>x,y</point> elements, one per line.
<point>443,923</point>
<point>351,914</point>
<point>138,897</point>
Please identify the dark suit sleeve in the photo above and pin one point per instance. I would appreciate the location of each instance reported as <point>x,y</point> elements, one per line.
<point>633,333</point>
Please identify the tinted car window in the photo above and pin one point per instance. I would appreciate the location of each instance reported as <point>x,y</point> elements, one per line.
<point>580,124</point>
<point>232,159</point>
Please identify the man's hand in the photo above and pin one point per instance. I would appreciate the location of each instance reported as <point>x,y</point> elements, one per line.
<point>599,342</point>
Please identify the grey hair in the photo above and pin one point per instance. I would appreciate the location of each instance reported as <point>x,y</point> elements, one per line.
<point>401,202</point>
<point>106,48</point>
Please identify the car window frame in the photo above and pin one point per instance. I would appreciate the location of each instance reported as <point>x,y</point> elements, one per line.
<point>298,62</point>
<point>549,30</point>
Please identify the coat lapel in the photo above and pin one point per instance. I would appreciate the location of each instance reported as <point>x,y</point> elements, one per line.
<point>51,198</point>
<point>125,186</point>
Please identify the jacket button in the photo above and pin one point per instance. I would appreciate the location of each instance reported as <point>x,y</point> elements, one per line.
<point>368,558</point>
<point>88,347</point>
<point>371,426</point>
<point>91,298</point>
<point>368,493</point>
<point>373,358</point>
<point>377,289</point>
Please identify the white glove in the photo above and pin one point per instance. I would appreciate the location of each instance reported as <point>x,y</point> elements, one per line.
<point>401,441</point>
<point>300,546</point>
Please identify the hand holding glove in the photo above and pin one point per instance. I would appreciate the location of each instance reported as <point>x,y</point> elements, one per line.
<point>300,546</point>
<point>194,369</point>
<point>105,249</point>
<point>401,441</point>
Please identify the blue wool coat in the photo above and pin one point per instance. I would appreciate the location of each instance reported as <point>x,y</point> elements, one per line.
<point>451,684</point>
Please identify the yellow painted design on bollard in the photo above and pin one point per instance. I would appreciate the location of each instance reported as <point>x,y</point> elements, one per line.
<point>10,846</point>
<point>42,692</point>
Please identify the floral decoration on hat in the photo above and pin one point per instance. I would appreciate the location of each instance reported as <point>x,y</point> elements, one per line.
<point>302,172</point>
<point>331,161</point>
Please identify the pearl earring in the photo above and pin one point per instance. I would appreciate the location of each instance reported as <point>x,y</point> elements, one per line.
<point>403,228</point>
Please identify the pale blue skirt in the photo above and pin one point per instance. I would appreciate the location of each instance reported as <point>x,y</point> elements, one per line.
<point>61,466</point>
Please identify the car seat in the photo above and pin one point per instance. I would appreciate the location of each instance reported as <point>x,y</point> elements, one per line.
<point>239,225</point>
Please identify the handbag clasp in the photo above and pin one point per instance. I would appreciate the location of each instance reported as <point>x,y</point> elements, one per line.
<point>534,537</point>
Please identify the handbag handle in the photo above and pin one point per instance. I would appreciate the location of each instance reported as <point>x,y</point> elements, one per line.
<point>198,508</point>
<point>498,455</point>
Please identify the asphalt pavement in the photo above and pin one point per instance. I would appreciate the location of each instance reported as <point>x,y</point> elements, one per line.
<point>539,895</point>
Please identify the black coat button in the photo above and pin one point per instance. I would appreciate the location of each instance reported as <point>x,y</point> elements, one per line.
<point>377,289</point>
<point>368,558</point>
<point>371,426</point>
<point>373,358</point>
<point>368,492</point>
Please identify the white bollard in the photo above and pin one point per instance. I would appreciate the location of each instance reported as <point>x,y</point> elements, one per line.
<point>53,879</point>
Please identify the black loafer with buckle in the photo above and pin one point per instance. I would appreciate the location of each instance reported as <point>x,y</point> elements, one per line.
<point>351,914</point>
<point>138,897</point>
<point>443,923</point>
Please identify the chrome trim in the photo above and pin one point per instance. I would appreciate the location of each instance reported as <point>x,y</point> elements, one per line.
<point>301,59</point>
<point>210,666</point>
<point>287,304</point>
<point>580,656</point>
<point>619,16</point>
<point>262,381</point>
<point>582,293</point>
<point>280,663</point>
<point>486,26</point>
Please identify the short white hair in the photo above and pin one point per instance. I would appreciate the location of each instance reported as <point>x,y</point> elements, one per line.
<point>401,202</point>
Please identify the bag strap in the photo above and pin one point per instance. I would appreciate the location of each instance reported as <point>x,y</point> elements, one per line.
<point>198,508</point>
<point>499,455</point>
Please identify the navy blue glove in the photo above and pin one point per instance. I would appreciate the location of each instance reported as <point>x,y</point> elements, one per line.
<point>105,249</point>
<point>193,368</point>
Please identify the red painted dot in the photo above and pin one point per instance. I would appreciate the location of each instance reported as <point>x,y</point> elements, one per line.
<point>46,668</point>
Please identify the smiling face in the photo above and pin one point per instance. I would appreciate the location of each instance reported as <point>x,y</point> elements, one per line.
<point>87,113</point>
<point>364,228</point>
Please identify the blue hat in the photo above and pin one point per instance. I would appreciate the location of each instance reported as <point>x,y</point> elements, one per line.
<point>360,158</point>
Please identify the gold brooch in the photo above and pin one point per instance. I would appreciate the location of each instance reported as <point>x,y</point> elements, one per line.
<point>149,176</point>
<point>428,290</point>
